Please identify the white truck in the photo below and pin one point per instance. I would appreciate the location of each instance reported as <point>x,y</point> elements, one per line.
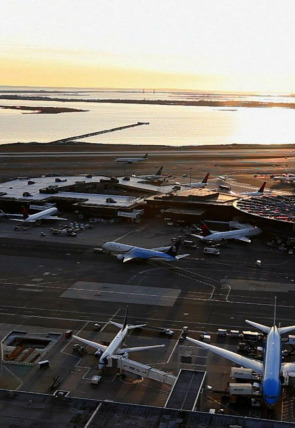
<point>95,380</point>
<point>243,373</point>
<point>241,389</point>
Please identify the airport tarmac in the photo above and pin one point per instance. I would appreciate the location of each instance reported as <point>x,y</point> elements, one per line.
<point>56,283</point>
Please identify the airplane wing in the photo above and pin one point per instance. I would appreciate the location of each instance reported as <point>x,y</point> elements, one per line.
<point>181,256</point>
<point>90,343</point>
<point>12,216</point>
<point>137,253</point>
<point>163,249</point>
<point>257,366</point>
<point>197,236</point>
<point>128,258</point>
<point>137,349</point>
<point>52,217</point>
<point>243,239</point>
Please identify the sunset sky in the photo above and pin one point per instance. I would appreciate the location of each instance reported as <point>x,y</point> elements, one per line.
<point>214,45</point>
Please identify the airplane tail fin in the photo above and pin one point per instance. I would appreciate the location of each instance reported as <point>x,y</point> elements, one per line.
<point>205,179</point>
<point>119,325</point>
<point>125,319</point>
<point>173,250</point>
<point>24,213</point>
<point>262,187</point>
<point>205,230</point>
<point>159,172</point>
<point>266,329</point>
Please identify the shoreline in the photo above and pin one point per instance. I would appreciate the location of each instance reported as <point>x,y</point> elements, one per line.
<point>43,110</point>
<point>199,103</point>
<point>80,146</point>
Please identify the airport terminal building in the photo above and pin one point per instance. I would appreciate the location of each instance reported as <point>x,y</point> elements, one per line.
<point>132,198</point>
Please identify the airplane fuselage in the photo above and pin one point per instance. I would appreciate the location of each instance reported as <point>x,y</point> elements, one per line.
<point>151,177</point>
<point>252,194</point>
<point>113,347</point>
<point>131,160</point>
<point>232,234</point>
<point>141,253</point>
<point>271,384</point>
<point>41,214</point>
<point>197,185</point>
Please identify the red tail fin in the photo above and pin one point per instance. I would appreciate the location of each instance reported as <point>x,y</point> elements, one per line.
<point>24,213</point>
<point>205,230</point>
<point>262,187</point>
<point>206,178</point>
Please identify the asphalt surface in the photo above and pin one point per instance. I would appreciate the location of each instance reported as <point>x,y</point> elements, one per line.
<point>209,292</point>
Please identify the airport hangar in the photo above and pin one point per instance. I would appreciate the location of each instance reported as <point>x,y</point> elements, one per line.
<point>133,198</point>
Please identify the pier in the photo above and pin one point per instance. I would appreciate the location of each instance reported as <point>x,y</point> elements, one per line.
<point>91,134</point>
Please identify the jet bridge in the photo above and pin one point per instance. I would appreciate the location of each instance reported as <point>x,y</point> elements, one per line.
<point>142,370</point>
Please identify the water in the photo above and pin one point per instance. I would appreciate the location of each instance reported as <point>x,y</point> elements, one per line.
<point>169,125</point>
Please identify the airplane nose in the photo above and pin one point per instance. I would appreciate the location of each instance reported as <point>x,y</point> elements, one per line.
<point>271,401</point>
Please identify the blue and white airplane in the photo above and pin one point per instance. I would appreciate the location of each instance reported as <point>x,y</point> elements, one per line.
<point>271,368</point>
<point>129,252</point>
<point>114,348</point>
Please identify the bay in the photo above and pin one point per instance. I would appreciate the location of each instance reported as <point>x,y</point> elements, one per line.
<point>168,124</point>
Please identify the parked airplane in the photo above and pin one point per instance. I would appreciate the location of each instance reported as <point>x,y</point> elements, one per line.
<point>200,184</point>
<point>114,348</point>
<point>271,368</point>
<point>129,252</point>
<point>239,234</point>
<point>132,160</point>
<point>152,177</point>
<point>257,193</point>
<point>47,214</point>
<point>288,178</point>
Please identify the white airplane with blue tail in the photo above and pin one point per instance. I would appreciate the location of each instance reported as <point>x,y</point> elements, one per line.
<point>127,253</point>
<point>271,369</point>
